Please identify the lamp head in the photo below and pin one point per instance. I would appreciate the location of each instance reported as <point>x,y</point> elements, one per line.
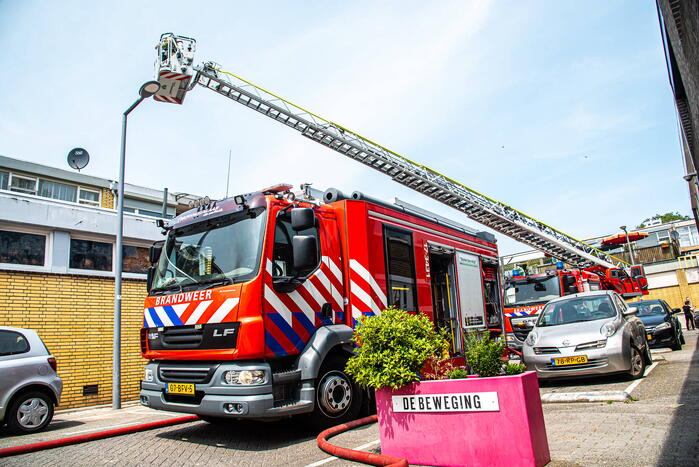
<point>623,227</point>
<point>148,89</point>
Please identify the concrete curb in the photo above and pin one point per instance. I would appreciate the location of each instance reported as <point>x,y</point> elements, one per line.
<point>592,396</point>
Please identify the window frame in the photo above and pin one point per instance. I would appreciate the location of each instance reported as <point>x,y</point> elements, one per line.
<point>14,175</point>
<point>101,272</point>
<point>386,228</point>
<point>8,179</point>
<point>42,179</point>
<point>317,228</point>
<point>29,345</point>
<point>97,203</point>
<point>48,250</point>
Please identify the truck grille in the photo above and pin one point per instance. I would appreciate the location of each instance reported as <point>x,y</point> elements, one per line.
<point>199,336</point>
<point>181,337</point>
<point>186,373</point>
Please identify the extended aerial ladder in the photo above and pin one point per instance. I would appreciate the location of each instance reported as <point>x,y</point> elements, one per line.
<point>174,69</point>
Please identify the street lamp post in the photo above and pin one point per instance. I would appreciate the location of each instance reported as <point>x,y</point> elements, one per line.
<point>628,244</point>
<point>146,91</point>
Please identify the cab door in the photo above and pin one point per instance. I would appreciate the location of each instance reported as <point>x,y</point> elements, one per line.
<point>638,274</point>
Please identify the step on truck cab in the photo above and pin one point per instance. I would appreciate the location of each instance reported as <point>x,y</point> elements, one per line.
<point>253,299</point>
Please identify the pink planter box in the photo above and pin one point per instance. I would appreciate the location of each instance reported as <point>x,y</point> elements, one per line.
<point>477,421</point>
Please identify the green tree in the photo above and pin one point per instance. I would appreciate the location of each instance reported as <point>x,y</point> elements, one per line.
<point>665,218</point>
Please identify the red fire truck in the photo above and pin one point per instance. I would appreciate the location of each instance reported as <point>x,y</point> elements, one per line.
<point>252,300</point>
<point>525,296</point>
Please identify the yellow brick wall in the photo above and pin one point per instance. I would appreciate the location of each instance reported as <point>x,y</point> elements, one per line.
<point>74,316</point>
<point>107,198</point>
<point>676,295</point>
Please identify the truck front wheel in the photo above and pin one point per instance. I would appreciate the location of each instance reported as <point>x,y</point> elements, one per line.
<point>338,397</point>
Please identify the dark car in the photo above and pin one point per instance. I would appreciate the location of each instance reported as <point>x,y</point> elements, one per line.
<point>662,326</point>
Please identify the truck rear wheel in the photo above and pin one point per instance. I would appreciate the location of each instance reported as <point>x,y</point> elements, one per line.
<point>338,398</point>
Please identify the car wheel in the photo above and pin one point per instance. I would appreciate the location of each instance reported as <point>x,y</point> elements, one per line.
<point>338,397</point>
<point>682,341</point>
<point>29,413</point>
<point>637,364</point>
<point>677,344</point>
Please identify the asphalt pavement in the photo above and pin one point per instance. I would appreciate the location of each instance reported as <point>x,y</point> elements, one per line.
<point>659,426</point>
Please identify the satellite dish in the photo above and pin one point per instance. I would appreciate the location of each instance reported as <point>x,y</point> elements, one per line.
<point>78,158</point>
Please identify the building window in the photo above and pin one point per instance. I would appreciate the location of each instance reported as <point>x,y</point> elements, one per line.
<point>4,180</point>
<point>23,184</point>
<point>22,248</point>
<point>400,269</point>
<point>88,254</point>
<point>135,259</point>
<point>663,236</point>
<point>12,343</point>
<point>89,197</point>
<point>688,235</point>
<point>56,190</point>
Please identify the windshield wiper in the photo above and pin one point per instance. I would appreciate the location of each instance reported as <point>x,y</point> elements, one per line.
<point>211,283</point>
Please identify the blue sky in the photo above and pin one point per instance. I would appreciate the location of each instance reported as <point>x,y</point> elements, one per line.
<point>561,109</point>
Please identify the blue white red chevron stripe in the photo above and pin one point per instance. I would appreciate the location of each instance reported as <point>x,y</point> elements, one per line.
<point>291,318</point>
<point>188,313</point>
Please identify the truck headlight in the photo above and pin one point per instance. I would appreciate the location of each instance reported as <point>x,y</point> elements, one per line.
<point>662,326</point>
<point>148,375</point>
<point>244,377</point>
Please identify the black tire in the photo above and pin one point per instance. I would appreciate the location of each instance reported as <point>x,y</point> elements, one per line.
<point>637,364</point>
<point>338,398</point>
<point>30,412</point>
<point>677,344</point>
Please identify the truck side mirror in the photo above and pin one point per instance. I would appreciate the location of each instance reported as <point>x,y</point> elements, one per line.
<point>569,285</point>
<point>305,249</point>
<point>302,219</point>
<point>154,253</point>
<point>149,277</point>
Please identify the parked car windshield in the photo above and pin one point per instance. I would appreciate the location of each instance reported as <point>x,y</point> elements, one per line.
<point>649,308</point>
<point>532,290</point>
<point>577,310</point>
<point>227,250</point>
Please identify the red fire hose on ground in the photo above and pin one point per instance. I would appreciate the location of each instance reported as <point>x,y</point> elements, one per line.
<point>56,443</point>
<point>350,454</point>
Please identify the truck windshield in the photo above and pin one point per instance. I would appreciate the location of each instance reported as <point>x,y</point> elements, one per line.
<point>532,291</point>
<point>223,250</point>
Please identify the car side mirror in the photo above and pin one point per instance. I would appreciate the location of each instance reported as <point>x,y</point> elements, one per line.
<point>154,253</point>
<point>149,278</point>
<point>302,219</point>
<point>632,310</point>
<point>305,250</point>
<point>676,310</point>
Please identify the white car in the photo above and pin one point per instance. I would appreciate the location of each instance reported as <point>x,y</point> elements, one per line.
<point>589,333</point>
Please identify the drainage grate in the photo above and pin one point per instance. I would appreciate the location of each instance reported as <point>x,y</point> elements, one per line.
<point>90,389</point>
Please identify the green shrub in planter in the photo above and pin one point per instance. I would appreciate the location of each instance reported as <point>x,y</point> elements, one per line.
<point>484,356</point>
<point>457,373</point>
<point>393,348</point>
<point>515,368</point>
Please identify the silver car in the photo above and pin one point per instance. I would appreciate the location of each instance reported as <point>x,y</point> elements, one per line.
<point>29,385</point>
<point>589,333</point>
